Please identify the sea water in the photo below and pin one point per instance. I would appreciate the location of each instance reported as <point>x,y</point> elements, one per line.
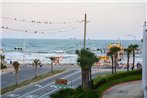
<point>44,48</point>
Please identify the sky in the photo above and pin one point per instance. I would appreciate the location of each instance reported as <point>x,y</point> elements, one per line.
<point>106,20</point>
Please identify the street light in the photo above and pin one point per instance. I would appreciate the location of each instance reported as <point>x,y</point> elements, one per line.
<point>144,76</point>
<point>24,48</point>
<point>133,37</point>
<point>1,51</point>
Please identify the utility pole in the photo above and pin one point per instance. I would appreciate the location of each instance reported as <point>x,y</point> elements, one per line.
<point>24,46</point>
<point>85,22</point>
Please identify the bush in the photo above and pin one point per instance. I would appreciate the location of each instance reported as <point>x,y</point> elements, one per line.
<point>102,80</point>
<point>77,93</point>
<point>63,93</point>
<point>86,94</point>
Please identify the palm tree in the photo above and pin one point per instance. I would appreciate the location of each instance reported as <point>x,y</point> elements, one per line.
<point>35,63</point>
<point>85,60</point>
<point>16,67</point>
<point>115,51</point>
<point>133,48</point>
<point>128,50</point>
<point>110,54</point>
<point>2,60</point>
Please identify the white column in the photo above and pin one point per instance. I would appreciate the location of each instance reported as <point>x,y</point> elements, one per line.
<point>144,76</point>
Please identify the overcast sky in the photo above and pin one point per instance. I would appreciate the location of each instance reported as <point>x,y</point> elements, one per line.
<point>107,20</point>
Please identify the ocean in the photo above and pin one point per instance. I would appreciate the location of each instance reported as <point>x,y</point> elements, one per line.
<point>44,48</point>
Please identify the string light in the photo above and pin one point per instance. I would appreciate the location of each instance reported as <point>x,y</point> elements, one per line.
<point>42,22</point>
<point>68,28</point>
<point>28,31</point>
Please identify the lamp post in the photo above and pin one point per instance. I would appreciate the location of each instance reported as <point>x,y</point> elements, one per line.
<point>144,76</point>
<point>1,56</point>
<point>24,52</point>
<point>85,29</point>
<point>85,22</point>
<point>24,49</point>
<point>133,37</point>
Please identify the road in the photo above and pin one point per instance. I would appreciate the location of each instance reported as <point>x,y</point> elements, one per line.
<point>44,88</point>
<point>29,72</point>
<point>26,73</point>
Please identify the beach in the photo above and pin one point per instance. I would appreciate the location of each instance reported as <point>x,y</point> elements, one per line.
<point>42,49</point>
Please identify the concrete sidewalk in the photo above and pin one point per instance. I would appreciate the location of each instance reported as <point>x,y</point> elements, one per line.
<point>10,68</point>
<point>125,90</point>
<point>7,70</point>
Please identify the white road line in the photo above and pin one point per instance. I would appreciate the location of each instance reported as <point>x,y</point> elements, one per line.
<point>57,88</point>
<point>46,85</point>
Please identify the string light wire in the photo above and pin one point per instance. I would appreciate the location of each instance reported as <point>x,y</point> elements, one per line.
<point>42,22</point>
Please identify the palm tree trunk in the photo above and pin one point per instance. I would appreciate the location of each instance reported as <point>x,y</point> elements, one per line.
<point>82,71</point>
<point>16,76</point>
<point>82,76</point>
<point>85,77</point>
<point>128,62</point>
<point>133,60</point>
<point>112,64</point>
<point>36,71</point>
<point>1,62</point>
<point>115,63</point>
<point>90,78</point>
<point>52,66</point>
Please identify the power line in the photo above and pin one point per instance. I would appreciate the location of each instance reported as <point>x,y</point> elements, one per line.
<point>42,22</point>
<point>59,28</point>
<point>35,31</point>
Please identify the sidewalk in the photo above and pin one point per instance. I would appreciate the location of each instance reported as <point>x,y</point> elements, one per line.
<point>125,90</point>
<point>6,70</point>
<point>10,68</point>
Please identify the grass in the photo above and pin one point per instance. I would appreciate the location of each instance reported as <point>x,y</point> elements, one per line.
<point>29,81</point>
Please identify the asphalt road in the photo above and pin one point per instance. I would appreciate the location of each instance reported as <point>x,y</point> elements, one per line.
<point>29,72</point>
<point>43,89</point>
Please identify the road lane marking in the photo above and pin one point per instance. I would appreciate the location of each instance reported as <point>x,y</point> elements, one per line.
<point>37,85</point>
<point>31,96</point>
<point>46,85</point>
<point>12,95</point>
<point>57,88</point>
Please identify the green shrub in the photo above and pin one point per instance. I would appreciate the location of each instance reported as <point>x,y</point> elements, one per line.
<point>63,93</point>
<point>102,80</point>
<point>85,94</point>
